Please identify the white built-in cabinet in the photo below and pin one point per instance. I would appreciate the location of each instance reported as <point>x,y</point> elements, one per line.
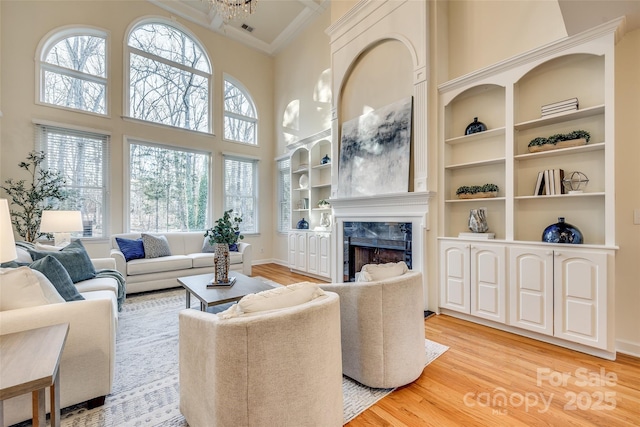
<point>553,290</point>
<point>473,278</point>
<point>310,249</point>
<point>560,292</point>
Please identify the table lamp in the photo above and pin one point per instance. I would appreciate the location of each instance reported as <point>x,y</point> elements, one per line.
<point>7,243</point>
<point>61,224</point>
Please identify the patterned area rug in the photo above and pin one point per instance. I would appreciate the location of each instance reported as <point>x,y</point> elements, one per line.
<point>146,386</point>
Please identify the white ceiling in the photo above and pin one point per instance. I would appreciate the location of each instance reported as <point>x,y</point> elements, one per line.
<point>275,22</point>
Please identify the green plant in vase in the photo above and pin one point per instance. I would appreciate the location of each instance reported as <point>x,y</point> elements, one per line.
<point>224,234</point>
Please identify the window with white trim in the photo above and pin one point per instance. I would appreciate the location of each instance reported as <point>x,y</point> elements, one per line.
<point>240,118</point>
<point>73,70</point>
<point>169,77</point>
<point>82,157</point>
<point>168,188</point>
<point>241,190</point>
<point>284,194</point>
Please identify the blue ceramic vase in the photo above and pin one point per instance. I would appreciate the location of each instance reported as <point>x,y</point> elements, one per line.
<point>562,232</point>
<point>303,224</point>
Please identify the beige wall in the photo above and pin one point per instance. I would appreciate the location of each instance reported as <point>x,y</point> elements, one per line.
<point>302,77</point>
<point>482,33</point>
<point>24,24</point>
<point>627,192</point>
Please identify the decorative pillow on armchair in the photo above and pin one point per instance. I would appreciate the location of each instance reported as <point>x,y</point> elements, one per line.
<point>273,299</point>
<point>74,258</point>
<point>376,272</point>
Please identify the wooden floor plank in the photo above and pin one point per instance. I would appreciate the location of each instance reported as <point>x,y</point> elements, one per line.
<point>483,362</point>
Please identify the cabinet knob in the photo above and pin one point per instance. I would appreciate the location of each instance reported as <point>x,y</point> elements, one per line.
<point>558,253</point>
<point>473,247</point>
<point>549,252</point>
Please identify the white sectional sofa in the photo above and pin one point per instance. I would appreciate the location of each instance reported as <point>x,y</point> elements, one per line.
<point>87,366</point>
<point>186,259</point>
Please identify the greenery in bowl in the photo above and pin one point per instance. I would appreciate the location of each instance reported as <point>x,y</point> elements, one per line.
<point>554,139</point>
<point>323,203</point>
<point>473,189</point>
<point>226,229</point>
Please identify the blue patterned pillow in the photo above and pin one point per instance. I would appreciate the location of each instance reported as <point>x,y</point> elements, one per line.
<point>58,276</point>
<point>131,249</point>
<point>74,258</point>
<point>155,246</point>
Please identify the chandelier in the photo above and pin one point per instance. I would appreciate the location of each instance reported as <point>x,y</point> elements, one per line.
<point>231,10</point>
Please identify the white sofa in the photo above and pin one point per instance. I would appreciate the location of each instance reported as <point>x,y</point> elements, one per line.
<point>186,259</point>
<point>87,366</point>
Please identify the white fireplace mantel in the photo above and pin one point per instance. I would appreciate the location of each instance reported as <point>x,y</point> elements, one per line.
<point>384,205</point>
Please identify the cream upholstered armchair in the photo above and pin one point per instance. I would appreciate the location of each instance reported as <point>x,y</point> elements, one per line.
<point>280,367</point>
<point>382,325</point>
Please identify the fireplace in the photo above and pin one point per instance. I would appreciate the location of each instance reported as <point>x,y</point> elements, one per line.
<point>375,243</point>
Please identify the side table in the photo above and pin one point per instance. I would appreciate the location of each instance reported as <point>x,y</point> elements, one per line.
<point>30,362</point>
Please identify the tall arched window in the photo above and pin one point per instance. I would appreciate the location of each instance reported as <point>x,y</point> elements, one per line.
<point>240,118</point>
<point>169,77</point>
<point>73,70</point>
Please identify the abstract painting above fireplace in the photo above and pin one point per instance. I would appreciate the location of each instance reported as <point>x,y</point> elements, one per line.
<point>375,152</point>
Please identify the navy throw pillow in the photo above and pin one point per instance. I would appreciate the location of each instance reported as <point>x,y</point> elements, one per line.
<point>58,276</point>
<point>131,249</point>
<point>74,258</point>
<point>233,247</point>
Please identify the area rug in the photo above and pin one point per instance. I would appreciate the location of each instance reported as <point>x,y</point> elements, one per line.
<point>146,386</point>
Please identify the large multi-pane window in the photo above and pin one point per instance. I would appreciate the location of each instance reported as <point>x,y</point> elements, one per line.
<point>241,190</point>
<point>169,77</point>
<point>73,70</point>
<point>284,194</point>
<point>240,119</point>
<point>83,159</point>
<point>168,188</point>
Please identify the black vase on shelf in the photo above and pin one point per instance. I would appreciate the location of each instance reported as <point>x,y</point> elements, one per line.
<point>303,224</point>
<point>475,127</point>
<point>562,232</point>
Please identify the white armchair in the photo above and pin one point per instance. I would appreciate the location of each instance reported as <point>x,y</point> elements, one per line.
<point>272,368</point>
<point>382,325</point>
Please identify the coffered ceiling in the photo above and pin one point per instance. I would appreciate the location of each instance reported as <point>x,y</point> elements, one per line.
<point>274,23</point>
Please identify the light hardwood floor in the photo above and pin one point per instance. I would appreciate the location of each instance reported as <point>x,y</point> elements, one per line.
<point>540,384</point>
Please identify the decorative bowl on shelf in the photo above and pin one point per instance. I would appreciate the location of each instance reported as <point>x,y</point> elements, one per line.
<point>477,191</point>
<point>304,180</point>
<point>324,204</point>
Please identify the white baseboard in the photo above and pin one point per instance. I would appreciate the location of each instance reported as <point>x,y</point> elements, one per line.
<point>627,347</point>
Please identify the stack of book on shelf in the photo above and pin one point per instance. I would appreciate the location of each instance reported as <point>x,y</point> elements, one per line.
<point>549,182</point>
<point>560,107</point>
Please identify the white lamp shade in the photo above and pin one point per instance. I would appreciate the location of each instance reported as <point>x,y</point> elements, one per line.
<point>7,243</point>
<point>60,221</point>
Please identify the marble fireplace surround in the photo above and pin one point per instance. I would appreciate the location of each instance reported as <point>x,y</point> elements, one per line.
<point>410,207</point>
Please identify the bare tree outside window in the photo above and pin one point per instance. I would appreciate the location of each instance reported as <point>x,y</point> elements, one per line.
<point>74,73</point>
<point>240,120</point>
<point>240,191</point>
<point>168,189</point>
<point>168,78</point>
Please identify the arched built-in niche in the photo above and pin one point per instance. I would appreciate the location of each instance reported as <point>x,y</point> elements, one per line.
<point>355,40</point>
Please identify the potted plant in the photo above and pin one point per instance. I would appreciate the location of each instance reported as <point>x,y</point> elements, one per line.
<point>225,233</point>
<point>559,140</point>
<point>324,204</point>
<point>43,189</point>
<point>477,191</point>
